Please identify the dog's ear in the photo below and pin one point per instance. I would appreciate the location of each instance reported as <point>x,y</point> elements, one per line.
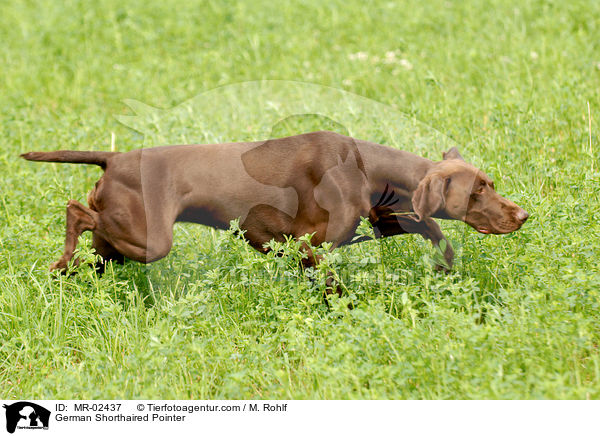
<point>429,197</point>
<point>452,154</point>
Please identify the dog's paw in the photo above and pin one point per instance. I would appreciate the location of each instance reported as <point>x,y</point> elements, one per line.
<point>443,268</point>
<point>58,265</point>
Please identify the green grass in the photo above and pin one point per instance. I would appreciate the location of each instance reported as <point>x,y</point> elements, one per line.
<point>519,317</point>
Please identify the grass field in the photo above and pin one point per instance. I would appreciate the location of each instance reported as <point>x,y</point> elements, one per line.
<point>519,317</point>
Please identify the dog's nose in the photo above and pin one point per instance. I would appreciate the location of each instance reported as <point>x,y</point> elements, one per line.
<point>522,215</point>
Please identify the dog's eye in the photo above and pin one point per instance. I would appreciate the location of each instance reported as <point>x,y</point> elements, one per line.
<point>447,182</point>
<point>478,191</point>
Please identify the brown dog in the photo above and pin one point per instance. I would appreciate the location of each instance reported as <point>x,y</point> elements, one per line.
<point>318,183</point>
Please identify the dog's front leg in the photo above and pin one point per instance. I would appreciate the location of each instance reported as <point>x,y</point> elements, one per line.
<point>331,285</point>
<point>432,231</point>
<point>390,225</point>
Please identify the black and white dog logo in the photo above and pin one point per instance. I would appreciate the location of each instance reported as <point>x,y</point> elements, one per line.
<point>26,415</point>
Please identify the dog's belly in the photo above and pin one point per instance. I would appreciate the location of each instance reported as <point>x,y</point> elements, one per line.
<point>228,206</point>
<point>324,194</point>
<point>200,215</point>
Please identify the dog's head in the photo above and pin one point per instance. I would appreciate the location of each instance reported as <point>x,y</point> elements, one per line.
<point>454,189</point>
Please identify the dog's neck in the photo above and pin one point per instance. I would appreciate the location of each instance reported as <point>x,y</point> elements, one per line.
<point>397,169</point>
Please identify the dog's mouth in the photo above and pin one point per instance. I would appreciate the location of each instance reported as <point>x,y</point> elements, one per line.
<point>494,227</point>
<point>489,229</point>
<point>496,230</point>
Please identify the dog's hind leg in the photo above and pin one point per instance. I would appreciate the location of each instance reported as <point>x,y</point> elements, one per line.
<point>79,219</point>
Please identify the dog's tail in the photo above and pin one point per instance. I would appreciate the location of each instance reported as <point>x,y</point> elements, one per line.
<point>67,156</point>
